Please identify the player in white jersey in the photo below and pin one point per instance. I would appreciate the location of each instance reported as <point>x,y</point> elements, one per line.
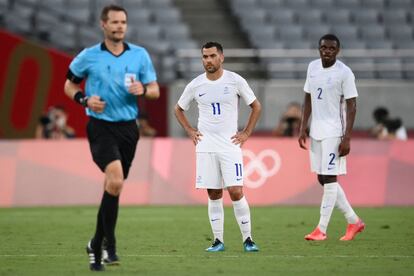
<point>219,158</point>
<point>330,97</point>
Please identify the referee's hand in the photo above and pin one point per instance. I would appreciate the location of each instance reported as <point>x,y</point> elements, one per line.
<point>136,87</point>
<point>96,104</point>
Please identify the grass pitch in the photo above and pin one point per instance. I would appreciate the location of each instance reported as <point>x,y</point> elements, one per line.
<point>171,241</point>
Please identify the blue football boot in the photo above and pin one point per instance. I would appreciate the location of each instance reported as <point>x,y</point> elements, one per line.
<point>250,246</point>
<point>216,246</point>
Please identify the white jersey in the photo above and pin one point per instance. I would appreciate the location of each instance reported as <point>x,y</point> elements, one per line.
<point>218,109</point>
<point>328,88</point>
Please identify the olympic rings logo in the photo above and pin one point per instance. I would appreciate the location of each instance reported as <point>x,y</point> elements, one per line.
<point>256,165</point>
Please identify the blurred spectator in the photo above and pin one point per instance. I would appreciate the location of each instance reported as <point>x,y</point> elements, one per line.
<point>145,129</point>
<point>53,125</point>
<point>290,122</point>
<point>387,128</point>
<point>394,130</point>
<point>380,115</point>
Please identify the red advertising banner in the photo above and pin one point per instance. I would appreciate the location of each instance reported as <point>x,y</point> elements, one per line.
<point>31,81</point>
<point>276,171</point>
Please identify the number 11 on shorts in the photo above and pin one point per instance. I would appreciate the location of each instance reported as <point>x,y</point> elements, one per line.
<point>239,172</point>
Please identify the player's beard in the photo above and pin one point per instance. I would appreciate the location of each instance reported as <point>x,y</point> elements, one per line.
<point>211,68</point>
<point>328,61</point>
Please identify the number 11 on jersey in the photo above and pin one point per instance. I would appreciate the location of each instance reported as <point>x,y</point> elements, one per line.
<point>216,108</point>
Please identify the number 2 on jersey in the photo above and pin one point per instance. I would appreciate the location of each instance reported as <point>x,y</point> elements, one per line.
<point>216,108</point>
<point>319,93</point>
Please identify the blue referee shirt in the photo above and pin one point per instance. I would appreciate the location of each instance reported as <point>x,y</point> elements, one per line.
<point>108,76</point>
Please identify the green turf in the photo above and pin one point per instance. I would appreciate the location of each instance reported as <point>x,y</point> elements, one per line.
<point>171,241</point>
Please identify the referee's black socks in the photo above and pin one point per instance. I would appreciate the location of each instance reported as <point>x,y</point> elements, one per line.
<point>109,207</point>
<point>99,232</point>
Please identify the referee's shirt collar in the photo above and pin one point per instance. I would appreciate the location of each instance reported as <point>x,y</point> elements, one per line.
<point>104,48</point>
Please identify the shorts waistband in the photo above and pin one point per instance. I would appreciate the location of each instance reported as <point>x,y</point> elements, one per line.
<point>120,123</point>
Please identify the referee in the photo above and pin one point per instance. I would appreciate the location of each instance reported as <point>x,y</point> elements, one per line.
<point>116,73</point>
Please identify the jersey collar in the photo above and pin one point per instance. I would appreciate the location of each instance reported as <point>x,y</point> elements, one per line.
<point>126,48</point>
<point>333,66</point>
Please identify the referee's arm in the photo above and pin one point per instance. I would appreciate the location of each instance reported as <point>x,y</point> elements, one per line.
<point>71,88</point>
<point>153,91</point>
<point>74,91</point>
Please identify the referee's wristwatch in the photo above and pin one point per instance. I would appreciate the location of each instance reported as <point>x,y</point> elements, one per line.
<point>84,101</point>
<point>81,99</point>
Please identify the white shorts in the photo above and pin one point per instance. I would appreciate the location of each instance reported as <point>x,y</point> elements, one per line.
<point>218,170</point>
<point>324,157</point>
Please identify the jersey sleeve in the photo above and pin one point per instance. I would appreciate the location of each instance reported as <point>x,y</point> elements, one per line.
<point>348,86</point>
<point>245,91</point>
<point>306,86</point>
<point>79,66</point>
<point>147,73</point>
<point>187,97</point>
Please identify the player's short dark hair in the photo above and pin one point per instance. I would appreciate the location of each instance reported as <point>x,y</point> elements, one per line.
<point>112,7</point>
<point>331,37</point>
<point>380,114</point>
<point>212,44</point>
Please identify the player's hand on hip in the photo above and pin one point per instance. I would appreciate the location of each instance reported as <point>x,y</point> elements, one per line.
<point>344,146</point>
<point>194,135</point>
<point>239,138</point>
<point>302,141</point>
<point>136,87</point>
<point>96,104</point>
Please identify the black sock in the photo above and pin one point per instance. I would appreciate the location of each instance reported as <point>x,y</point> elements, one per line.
<point>109,205</point>
<point>99,232</point>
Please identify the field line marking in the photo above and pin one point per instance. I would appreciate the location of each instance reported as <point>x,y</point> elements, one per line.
<point>217,255</point>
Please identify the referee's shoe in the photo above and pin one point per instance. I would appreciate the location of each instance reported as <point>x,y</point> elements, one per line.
<point>109,254</point>
<point>95,258</point>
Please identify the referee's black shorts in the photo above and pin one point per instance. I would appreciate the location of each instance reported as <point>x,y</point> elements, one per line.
<point>110,141</point>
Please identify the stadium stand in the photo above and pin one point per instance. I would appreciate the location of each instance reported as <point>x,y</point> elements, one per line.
<point>71,25</point>
<point>360,24</point>
<point>290,28</point>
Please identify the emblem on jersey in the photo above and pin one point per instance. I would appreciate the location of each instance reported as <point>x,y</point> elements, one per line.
<point>226,90</point>
<point>128,79</point>
<point>201,94</point>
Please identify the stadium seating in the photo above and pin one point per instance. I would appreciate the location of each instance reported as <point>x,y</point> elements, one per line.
<point>73,24</point>
<point>19,18</point>
<point>405,4</point>
<point>267,24</point>
<point>376,4</point>
<point>360,24</point>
